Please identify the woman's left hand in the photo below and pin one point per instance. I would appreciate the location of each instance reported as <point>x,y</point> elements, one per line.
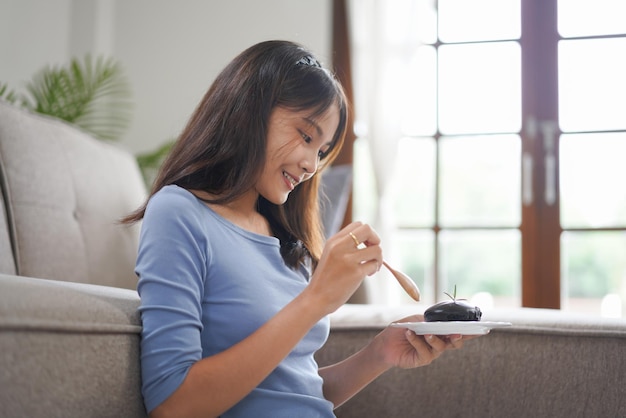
<point>401,347</point>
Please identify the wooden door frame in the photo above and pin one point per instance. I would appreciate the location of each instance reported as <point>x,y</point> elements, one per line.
<point>540,227</point>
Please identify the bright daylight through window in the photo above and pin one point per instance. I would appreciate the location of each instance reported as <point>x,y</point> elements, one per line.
<point>491,146</point>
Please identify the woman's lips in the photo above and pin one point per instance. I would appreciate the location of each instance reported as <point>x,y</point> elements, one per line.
<point>291,181</point>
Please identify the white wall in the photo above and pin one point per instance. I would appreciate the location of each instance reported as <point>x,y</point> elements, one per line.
<point>171,50</point>
<point>33,33</point>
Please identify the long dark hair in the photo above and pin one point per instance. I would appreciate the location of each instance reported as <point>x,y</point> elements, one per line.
<point>222,150</point>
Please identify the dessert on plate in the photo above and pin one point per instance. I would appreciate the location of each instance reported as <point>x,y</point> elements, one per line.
<point>452,310</point>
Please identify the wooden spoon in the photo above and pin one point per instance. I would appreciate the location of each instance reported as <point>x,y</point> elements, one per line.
<point>405,281</point>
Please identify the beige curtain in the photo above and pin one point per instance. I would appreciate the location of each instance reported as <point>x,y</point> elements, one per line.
<point>384,40</point>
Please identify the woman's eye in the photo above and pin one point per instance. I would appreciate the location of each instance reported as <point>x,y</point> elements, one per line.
<point>306,138</point>
<point>323,153</point>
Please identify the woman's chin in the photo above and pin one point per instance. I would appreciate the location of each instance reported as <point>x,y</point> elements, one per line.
<point>277,200</point>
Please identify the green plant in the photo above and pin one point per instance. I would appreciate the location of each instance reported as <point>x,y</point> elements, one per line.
<point>92,94</point>
<point>6,94</point>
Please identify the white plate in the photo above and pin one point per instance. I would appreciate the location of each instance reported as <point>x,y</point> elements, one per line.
<point>451,327</point>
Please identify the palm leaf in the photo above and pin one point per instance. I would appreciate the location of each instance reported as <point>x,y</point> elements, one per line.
<point>6,94</point>
<point>92,95</point>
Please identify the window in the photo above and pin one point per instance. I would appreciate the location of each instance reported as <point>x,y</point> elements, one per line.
<point>509,176</point>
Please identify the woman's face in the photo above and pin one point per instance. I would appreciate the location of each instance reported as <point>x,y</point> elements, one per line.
<point>294,146</point>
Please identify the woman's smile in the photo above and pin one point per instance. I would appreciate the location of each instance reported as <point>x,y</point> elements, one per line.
<point>292,182</point>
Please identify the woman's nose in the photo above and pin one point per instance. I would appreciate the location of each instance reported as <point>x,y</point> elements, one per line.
<point>310,162</point>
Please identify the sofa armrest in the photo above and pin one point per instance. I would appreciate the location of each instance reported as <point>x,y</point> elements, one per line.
<point>67,348</point>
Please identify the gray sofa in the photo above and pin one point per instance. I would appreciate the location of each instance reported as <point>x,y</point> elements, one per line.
<point>69,329</point>
<point>68,344</point>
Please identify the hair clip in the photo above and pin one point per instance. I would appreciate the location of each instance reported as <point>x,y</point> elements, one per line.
<point>309,60</point>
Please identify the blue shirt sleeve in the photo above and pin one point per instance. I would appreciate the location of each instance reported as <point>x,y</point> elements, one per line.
<point>170,266</point>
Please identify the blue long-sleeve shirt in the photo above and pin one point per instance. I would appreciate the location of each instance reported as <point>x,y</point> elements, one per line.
<point>205,284</point>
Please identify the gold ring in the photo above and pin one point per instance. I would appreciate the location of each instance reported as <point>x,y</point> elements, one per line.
<point>355,239</point>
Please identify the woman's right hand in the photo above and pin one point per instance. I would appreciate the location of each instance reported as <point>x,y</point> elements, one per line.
<point>344,264</point>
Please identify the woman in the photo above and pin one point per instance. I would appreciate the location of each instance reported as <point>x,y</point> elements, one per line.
<point>234,277</point>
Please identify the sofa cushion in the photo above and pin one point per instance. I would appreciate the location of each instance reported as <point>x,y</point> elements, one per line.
<point>64,192</point>
<point>50,305</point>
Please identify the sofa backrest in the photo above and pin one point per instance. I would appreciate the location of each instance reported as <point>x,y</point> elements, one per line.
<point>63,193</point>
<point>7,263</point>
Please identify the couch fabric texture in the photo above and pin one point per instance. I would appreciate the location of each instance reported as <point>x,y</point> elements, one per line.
<point>68,350</point>
<point>63,192</point>
<point>70,331</point>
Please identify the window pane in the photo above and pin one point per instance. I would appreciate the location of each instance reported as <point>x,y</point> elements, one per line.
<point>419,94</point>
<point>480,88</point>
<point>480,181</point>
<point>413,182</point>
<point>588,18</point>
<point>482,263</point>
<point>414,255</point>
<point>592,175</point>
<point>592,84</point>
<point>396,22</point>
<point>594,272</point>
<point>479,20</point>
<point>406,20</point>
